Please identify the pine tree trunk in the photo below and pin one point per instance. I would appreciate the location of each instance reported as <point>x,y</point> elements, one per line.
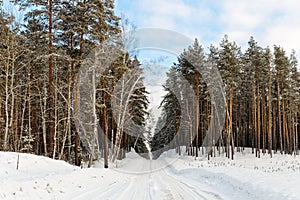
<point>55,121</point>
<point>293,131</point>
<point>270,115</point>
<point>227,130</point>
<point>201,124</point>
<point>15,125</point>
<point>29,104</point>
<point>254,136</point>
<point>76,110</point>
<point>275,124</point>
<point>258,123</point>
<point>176,132</point>
<point>22,122</point>
<point>279,118</point>
<point>285,129</point>
<point>230,123</point>
<point>51,104</point>
<point>197,112</point>
<point>6,132</point>
<point>264,120</point>
<point>69,107</point>
<point>71,80</point>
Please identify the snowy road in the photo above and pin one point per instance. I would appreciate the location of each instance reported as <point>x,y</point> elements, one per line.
<point>167,178</point>
<point>160,179</point>
<point>158,184</point>
<point>171,186</point>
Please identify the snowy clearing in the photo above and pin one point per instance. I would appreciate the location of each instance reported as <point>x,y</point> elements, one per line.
<point>169,177</point>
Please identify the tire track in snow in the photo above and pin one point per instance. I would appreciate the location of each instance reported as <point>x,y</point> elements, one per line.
<point>180,189</point>
<point>151,186</point>
<point>156,185</point>
<point>196,189</point>
<point>100,192</point>
<point>140,184</point>
<point>226,185</point>
<point>136,187</point>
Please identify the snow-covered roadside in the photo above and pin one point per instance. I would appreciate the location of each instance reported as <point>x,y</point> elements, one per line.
<point>263,178</point>
<point>39,177</point>
<point>169,177</point>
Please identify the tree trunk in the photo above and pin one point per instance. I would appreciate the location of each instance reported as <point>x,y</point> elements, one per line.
<point>105,130</point>
<point>264,120</point>
<point>230,123</point>
<point>197,113</point>
<point>55,136</point>
<point>254,121</point>
<point>275,140</point>
<point>22,122</point>
<point>51,105</point>
<point>258,123</point>
<point>43,108</point>
<point>270,114</point>
<point>285,128</point>
<point>5,142</point>
<point>296,135</point>
<point>279,118</point>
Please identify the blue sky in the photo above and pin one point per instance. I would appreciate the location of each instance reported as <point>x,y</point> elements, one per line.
<point>268,21</point>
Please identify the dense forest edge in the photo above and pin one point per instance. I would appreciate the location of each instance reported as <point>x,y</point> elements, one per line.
<point>41,57</point>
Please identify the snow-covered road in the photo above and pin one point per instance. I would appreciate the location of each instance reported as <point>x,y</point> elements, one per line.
<point>169,177</point>
<point>167,185</point>
<point>161,183</point>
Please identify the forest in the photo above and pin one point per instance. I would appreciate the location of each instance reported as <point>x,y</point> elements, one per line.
<point>41,58</point>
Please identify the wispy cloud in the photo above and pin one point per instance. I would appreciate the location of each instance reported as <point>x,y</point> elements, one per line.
<point>269,21</point>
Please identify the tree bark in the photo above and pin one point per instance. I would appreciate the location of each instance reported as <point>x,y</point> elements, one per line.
<point>51,104</point>
<point>270,114</point>
<point>258,122</point>
<point>264,120</point>
<point>197,113</point>
<point>279,118</point>
<point>105,130</point>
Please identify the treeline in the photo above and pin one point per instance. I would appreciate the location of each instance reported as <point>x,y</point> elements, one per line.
<point>42,99</point>
<point>261,102</point>
<point>40,61</point>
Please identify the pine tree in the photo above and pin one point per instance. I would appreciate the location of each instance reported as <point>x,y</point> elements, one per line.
<point>191,62</point>
<point>281,67</point>
<point>294,93</point>
<point>228,63</point>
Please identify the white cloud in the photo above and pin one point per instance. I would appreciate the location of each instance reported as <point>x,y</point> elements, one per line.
<point>177,15</point>
<point>166,14</point>
<point>269,21</point>
<point>168,8</point>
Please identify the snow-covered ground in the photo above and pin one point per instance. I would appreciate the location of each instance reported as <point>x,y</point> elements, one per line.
<point>169,177</point>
